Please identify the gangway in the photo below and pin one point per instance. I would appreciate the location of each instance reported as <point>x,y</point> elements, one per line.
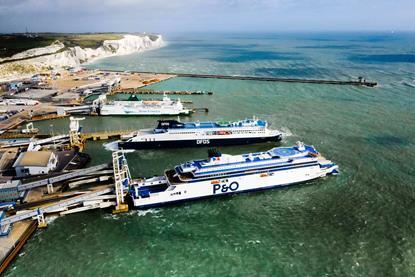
<point>85,109</point>
<point>74,133</point>
<point>55,139</point>
<point>51,139</point>
<point>60,178</point>
<point>52,208</point>
<point>122,180</point>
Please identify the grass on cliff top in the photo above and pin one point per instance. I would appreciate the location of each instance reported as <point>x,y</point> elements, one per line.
<point>11,44</point>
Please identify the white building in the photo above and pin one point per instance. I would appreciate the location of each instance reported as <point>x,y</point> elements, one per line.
<point>36,162</point>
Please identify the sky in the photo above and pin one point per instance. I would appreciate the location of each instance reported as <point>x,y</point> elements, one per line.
<point>173,16</point>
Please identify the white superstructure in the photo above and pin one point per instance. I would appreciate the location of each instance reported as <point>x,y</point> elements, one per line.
<point>172,133</point>
<point>226,174</point>
<point>166,106</point>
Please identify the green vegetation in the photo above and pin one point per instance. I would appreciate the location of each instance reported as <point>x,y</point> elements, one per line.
<point>20,68</point>
<point>86,40</point>
<point>11,44</point>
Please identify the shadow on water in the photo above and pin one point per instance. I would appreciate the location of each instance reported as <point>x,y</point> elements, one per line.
<point>383,58</point>
<point>293,72</point>
<point>334,47</point>
<point>388,140</point>
<point>252,55</point>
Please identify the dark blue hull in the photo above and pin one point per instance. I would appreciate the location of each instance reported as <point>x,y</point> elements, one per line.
<point>195,142</point>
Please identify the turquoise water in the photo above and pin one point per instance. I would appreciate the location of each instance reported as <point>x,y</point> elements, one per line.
<point>359,223</point>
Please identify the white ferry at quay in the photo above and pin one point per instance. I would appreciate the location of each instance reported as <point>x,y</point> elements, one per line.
<point>226,174</point>
<point>172,133</point>
<point>134,106</point>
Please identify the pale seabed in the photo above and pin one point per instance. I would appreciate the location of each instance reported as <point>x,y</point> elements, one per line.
<point>359,223</point>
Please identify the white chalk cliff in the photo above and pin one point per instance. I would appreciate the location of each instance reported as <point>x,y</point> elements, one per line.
<point>50,49</point>
<point>75,56</point>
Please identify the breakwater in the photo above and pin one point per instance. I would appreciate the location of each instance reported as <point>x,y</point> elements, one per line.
<point>358,82</point>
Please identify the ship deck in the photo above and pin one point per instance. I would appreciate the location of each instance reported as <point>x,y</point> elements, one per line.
<point>174,179</point>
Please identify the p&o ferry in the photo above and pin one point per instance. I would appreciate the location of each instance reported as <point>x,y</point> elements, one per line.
<point>227,174</point>
<point>172,133</point>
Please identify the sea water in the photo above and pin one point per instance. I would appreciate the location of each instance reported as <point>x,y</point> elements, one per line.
<point>359,223</point>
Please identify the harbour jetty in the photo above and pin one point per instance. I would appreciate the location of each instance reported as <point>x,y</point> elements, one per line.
<point>161,92</point>
<point>359,82</point>
<point>11,246</point>
<point>104,135</point>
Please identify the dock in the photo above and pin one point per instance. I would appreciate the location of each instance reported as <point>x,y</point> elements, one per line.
<point>13,122</point>
<point>19,223</point>
<point>359,82</point>
<point>104,135</point>
<point>14,135</point>
<point>47,117</point>
<point>11,245</point>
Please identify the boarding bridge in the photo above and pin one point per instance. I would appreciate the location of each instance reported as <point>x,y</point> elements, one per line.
<point>61,178</point>
<point>7,221</point>
<point>122,179</point>
<point>97,103</point>
<point>85,109</point>
<point>54,139</point>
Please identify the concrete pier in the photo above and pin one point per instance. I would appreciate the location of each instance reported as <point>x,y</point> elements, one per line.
<point>104,135</point>
<point>10,245</point>
<point>358,82</point>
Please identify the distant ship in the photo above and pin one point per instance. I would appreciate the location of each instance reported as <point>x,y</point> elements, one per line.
<point>134,106</point>
<point>227,174</point>
<point>172,133</point>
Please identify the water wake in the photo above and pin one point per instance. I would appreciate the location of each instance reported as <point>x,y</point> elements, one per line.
<point>286,132</point>
<point>143,212</point>
<point>51,218</point>
<point>408,84</point>
<point>131,213</point>
<point>113,146</point>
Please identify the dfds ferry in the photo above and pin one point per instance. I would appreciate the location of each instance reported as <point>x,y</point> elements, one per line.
<point>172,133</point>
<point>227,174</point>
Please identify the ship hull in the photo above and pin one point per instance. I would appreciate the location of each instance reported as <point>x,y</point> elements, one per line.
<point>195,142</point>
<point>232,185</point>
<point>138,113</point>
